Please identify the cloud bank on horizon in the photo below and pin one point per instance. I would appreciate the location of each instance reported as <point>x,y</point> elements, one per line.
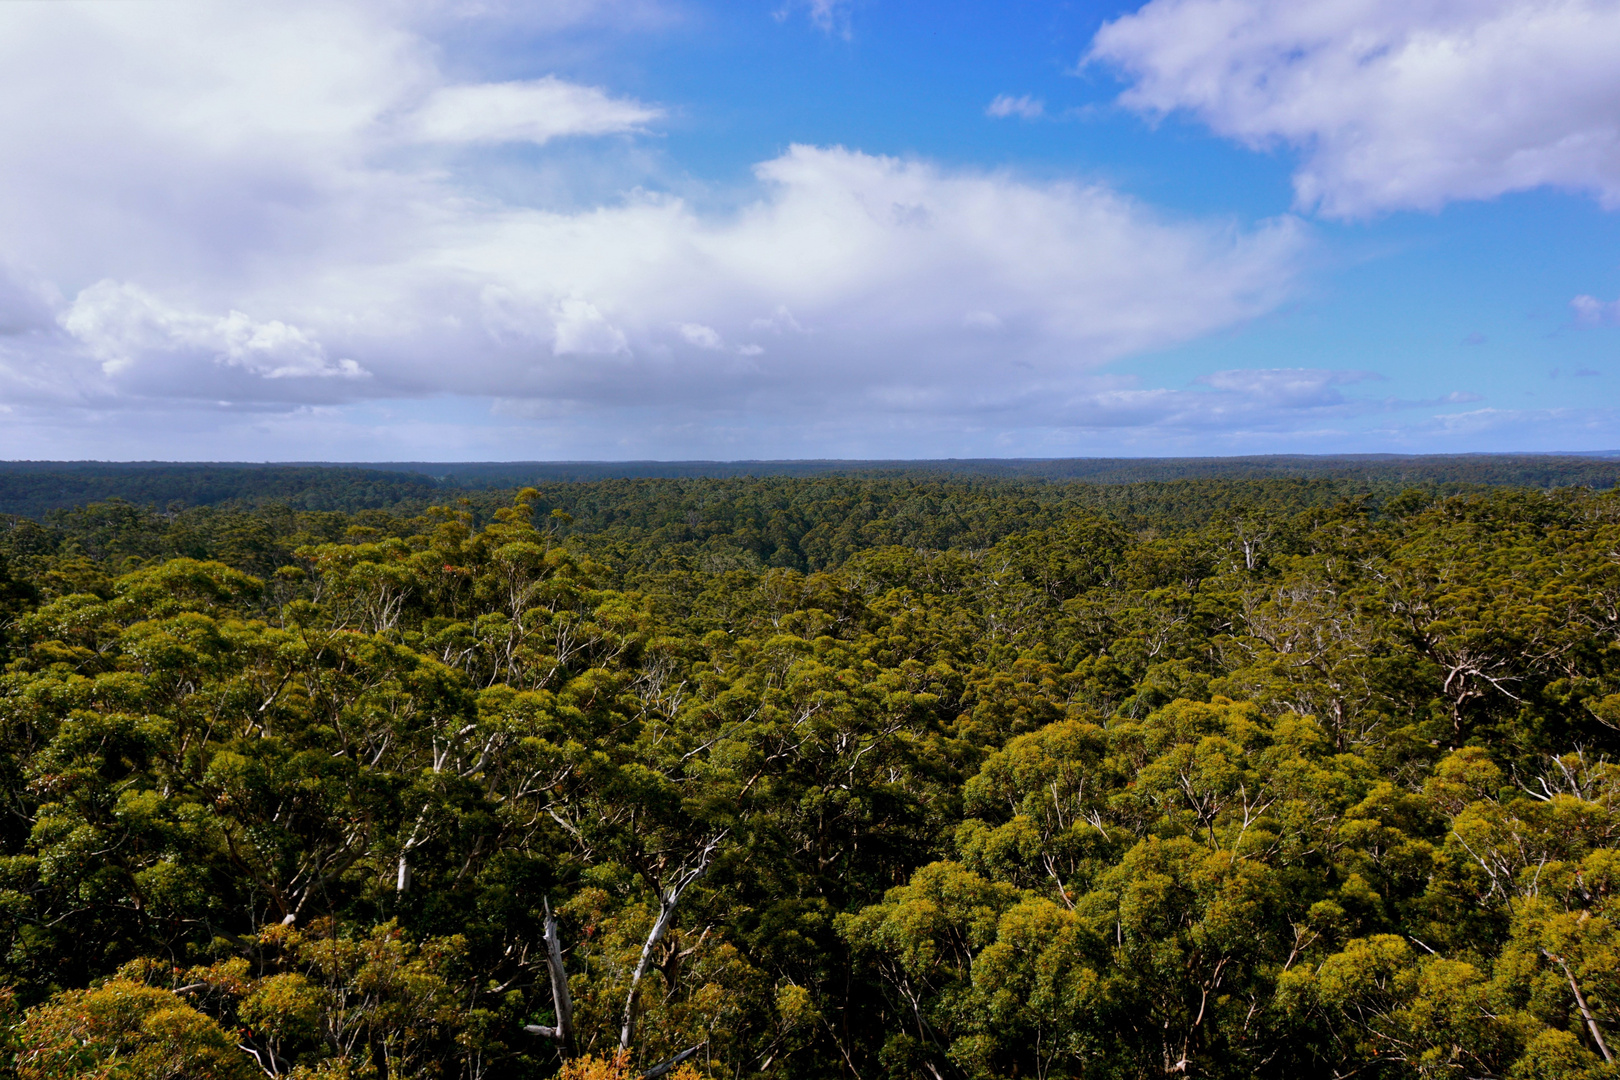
<point>324,231</point>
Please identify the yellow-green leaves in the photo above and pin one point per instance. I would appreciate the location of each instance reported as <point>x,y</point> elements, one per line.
<point>934,925</point>
<point>124,1029</point>
<point>182,585</point>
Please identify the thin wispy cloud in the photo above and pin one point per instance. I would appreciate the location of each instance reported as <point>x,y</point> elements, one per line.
<point>1024,107</point>
<point>535,111</point>
<point>829,16</point>
<point>1289,387</point>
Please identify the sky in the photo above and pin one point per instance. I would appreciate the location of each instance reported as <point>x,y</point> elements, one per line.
<point>691,229</point>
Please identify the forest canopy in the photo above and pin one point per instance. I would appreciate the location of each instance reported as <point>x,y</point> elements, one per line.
<point>853,775</point>
<point>34,488</point>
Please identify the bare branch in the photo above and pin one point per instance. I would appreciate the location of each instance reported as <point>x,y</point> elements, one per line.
<point>667,902</point>
<point>665,1066</point>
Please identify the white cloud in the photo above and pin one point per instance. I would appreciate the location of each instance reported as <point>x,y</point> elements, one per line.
<point>583,330</point>
<point>1393,104</point>
<point>1590,311</point>
<point>120,324</point>
<point>1529,429</point>
<point>1291,388</point>
<point>536,111</point>
<point>1005,105</point>
<point>704,337</point>
<point>214,204</point>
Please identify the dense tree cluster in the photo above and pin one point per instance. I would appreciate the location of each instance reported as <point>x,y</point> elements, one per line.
<point>34,488</point>
<point>1521,470</point>
<point>815,778</point>
<point>801,524</point>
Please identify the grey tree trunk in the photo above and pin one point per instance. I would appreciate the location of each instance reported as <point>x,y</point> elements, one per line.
<point>562,1001</point>
<point>666,914</point>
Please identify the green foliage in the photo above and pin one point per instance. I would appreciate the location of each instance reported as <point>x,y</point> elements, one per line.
<point>123,1028</point>
<point>878,776</point>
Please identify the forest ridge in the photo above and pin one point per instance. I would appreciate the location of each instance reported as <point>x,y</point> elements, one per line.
<point>871,775</point>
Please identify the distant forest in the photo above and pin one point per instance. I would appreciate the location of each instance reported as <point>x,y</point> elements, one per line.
<point>1268,767</point>
<point>31,488</point>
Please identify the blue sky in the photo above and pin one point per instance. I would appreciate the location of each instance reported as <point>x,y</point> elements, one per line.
<point>610,229</point>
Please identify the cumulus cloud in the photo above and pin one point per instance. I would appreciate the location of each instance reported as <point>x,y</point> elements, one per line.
<point>861,272</point>
<point>1026,107</point>
<point>208,203</point>
<point>1590,311</point>
<point>581,329</point>
<point>120,325</point>
<point>1392,104</point>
